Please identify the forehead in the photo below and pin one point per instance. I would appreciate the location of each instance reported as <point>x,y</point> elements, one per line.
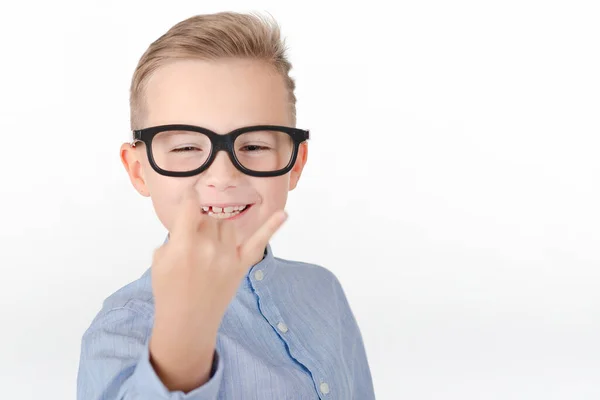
<point>220,95</point>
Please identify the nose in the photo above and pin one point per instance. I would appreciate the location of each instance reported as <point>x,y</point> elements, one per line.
<point>222,174</point>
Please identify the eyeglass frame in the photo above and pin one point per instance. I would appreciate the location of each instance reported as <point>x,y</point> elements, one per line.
<point>220,142</point>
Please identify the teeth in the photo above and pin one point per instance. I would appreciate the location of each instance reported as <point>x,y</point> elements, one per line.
<point>228,209</point>
<point>223,212</point>
<point>223,215</point>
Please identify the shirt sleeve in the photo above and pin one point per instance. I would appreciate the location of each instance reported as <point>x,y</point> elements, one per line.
<point>115,362</point>
<point>362,379</point>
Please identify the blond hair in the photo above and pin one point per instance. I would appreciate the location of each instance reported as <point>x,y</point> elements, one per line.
<point>212,37</point>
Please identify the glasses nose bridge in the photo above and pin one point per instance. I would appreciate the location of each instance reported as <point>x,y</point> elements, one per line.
<point>222,143</point>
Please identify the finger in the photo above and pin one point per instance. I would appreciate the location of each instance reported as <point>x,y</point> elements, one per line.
<point>209,229</point>
<point>188,216</point>
<point>226,234</point>
<point>256,244</point>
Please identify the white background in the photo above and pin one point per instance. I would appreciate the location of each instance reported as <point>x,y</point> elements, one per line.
<point>453,185</point>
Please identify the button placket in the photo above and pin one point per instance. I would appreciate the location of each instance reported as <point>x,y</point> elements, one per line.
<point>289,338</point>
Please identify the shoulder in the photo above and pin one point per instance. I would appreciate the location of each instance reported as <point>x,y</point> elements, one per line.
<point>133,302</point>
<point>137,294</point>
<point>317,286</point>
<point>306,270</point>
<point>315,277</point>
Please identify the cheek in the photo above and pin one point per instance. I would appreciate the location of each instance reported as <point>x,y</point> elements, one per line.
<point>274,192</point>
<point>166,194</point>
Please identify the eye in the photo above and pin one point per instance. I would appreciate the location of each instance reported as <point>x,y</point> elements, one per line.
<point>253,147</point>
<point>186,149</point>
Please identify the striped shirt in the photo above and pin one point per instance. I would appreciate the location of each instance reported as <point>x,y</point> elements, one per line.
<point>288,333</point>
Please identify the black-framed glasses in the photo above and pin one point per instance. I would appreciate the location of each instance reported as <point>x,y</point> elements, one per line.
<point>185,150</point>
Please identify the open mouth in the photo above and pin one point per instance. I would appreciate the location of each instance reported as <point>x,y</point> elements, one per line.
<point>227,212</point>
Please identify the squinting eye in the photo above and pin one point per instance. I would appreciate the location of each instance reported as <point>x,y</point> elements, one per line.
<point>185,149</point>
<point>254,147</point>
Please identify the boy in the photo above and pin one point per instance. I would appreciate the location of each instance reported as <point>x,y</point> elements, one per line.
<point>217,316</point>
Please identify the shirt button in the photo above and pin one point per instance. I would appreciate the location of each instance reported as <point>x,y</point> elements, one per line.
<point>324,388</point>
<point>282,327</point>
<point>259,275</point>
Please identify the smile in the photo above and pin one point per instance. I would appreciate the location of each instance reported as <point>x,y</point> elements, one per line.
<point>225,212</point>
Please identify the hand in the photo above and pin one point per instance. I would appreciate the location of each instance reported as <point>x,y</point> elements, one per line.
<point>195,275</point>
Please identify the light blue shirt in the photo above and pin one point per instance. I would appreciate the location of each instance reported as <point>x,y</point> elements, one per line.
<point>288,333</point>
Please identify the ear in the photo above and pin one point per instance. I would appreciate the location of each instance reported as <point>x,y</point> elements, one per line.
<point>299,165</point>
<point>130,157</point>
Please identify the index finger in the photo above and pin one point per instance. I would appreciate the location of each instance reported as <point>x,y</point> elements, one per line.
<point>188,216</point>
